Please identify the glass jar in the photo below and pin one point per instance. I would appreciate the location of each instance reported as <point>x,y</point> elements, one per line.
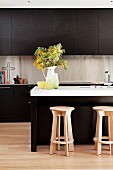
<point>55,81</point>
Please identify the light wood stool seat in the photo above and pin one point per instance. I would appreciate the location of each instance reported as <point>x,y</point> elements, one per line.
<point>99,139</point>
<point>57,112</point>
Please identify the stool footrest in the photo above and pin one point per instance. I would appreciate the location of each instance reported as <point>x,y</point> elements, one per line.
<point>102,141</point>
<point>103,137</point>
<point>62,142</point>
<point>106,142</point>
<point>61,137</point>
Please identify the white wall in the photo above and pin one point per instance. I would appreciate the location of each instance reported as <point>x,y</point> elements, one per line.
<point>56,3</point>
<point>88,68</point>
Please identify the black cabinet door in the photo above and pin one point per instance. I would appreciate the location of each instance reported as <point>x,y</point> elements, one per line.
<point>106,31</point>
<point>87,31</point>
<point>52,26</point>
<point>22,32</point>
<point>15,103</point>
<point>21,103</point>
<point>5,32</point>
<point>6,103</point>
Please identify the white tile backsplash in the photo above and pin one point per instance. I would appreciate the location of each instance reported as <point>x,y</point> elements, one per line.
<point>89,68</point>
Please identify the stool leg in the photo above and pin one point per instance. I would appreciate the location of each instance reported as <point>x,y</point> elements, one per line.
<point>109,133</point>
<point>96,133</point>
<point>70,134</point>
<point>99,134</point>
<point>58,131</point>
<point>53,135</point>
<point>66,136</point>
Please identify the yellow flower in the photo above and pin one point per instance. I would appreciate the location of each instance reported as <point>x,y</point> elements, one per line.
<point>39,67</point>
<point>39,52</point>
<point>38,60</point>
<point>43,53</point>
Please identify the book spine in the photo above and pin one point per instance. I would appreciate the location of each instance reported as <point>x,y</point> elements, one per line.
<point>0,77</point>
<point>4,78</point>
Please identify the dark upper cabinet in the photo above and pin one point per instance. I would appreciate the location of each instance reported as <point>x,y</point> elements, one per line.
<point>52,26</point>
<point>5,32</point>
<point>106,31</point>
<point>80,31</point>
<point>22,32</point>
<point>87,31</point>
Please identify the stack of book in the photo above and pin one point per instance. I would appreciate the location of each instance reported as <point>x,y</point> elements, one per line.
<point>2,77</point>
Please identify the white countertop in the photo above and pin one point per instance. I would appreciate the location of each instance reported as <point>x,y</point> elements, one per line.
<point>74,91</point>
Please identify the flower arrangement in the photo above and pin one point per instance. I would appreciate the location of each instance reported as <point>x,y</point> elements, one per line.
<point>49,57</point>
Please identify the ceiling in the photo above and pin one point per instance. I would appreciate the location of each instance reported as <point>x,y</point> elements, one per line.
<point>56,3</point>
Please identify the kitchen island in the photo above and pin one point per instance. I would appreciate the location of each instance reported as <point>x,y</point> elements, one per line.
<point>83,98</point>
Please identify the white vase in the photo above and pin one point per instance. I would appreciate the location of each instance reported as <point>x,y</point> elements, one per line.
<point>50,72</point>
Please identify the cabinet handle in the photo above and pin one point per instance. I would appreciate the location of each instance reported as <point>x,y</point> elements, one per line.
<point>4,87</point>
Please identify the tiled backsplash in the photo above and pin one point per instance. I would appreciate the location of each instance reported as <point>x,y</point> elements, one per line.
<point>89,68</point>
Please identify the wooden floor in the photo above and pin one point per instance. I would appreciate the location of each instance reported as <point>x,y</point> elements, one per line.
<point>15,153</point>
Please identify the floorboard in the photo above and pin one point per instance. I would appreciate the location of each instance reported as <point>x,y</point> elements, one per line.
<point>15,153</point>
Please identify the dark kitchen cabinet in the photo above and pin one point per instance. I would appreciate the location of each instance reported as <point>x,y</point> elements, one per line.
<point>80,31</point>
<point>15,103</point>
<point>52,26</point>
<point>87,31</point>
<point>22,32</point>
<point>5,32</point>
<point>106,31</point>
<point>6,103</point>
<point>21,103</point>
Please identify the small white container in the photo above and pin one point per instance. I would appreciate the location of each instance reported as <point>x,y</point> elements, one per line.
<point>107,77</point>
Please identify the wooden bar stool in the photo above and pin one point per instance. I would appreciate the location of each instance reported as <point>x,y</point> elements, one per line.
<point>57,112</point>
<point>99,139</point>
